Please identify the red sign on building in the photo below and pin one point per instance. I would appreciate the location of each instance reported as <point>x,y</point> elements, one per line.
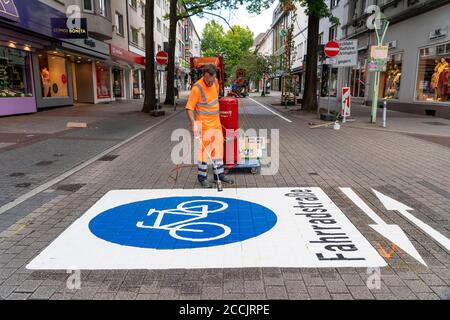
<point>126,55</point>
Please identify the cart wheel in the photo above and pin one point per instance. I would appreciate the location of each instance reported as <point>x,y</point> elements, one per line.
<point>254,170</point>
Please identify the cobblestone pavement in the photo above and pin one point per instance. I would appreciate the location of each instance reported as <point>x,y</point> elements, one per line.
<point>413,171</point>
<point>36,148</point>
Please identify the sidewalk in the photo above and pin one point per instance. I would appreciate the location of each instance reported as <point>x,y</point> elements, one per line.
<point>399,122</point>
<point>410,170</point>
<point>38,147</point>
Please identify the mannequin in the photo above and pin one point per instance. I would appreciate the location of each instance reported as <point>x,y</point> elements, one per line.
<point>45,75</point>
<point>440,78</point>
<point>393,82</point>
<point>443,83</point>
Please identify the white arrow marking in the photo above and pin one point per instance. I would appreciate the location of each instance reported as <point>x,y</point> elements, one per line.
<point>394,205</point>
<point>392,232</point>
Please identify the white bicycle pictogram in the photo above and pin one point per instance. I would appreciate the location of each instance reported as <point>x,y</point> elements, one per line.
<point>198,210</point>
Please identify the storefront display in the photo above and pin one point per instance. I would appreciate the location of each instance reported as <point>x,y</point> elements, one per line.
<point>103,81</point>
<point>433,83</point>
<point>53,75</point>
<point>15,73</point>
<point>117,83</point>
<point>392,77</point>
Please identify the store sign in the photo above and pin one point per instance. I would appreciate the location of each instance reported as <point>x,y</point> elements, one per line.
<point>61,30</point>
<point>439,33</point>
<point>237,228</point>
<point>348,55</point>
<point>31,15</point>
<point>378,58</point>
<point>126,55</point>
<point>9,10</point>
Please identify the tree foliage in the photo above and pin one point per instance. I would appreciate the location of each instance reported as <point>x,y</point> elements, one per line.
<point>233,45</point>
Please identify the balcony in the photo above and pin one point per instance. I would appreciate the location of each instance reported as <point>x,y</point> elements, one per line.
<point>100,24</point>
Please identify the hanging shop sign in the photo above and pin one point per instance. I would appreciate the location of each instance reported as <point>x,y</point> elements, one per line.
<point>378,58</point>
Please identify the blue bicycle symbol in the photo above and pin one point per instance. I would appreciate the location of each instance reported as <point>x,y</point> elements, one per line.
<point>197,210</point>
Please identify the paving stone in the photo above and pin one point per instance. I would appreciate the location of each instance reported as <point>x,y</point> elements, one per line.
<point>360,292</point>
<point>319,293</point>
<point>418,286</point>
<point>403,293</point>
<point>341,296</point>
<point>336,286</point>
<point>212,293</point>
<point>44,292</point>
<point>29,286</point>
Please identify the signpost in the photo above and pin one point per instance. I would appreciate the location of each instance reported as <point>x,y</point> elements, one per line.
<point>378,51</point>
<point>331,50</point>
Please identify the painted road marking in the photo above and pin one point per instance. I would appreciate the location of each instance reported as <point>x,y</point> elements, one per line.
<point>392,232</point>
<point>238,228</point>
<point>267,108</point>
<point>394,205</point>
<point>67,174</point>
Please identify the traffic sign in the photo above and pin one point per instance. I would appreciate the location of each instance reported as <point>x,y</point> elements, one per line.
<point>162,57</point>
<point>332,49</point>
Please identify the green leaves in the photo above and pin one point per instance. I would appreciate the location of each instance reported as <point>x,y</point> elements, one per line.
<point>232,45</point>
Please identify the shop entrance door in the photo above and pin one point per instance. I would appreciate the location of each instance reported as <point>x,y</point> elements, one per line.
<point>117,83</point>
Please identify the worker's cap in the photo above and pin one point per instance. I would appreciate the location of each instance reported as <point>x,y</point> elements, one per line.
<point>209,68</point>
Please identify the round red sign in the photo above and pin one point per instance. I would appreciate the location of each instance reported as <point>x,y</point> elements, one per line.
<point>332,49</point>
<point>161,57</point>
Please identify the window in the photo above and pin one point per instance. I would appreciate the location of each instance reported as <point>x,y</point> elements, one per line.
<point>142,9</point>
<point>333,33</point>
<point>158,24</point>
<point>102,8</point>
<point>321,38</point>
<point>392,77</point>
<point>143,40</point>
<point>433,75</point>
<point>88,5</point>
<point>103,81</point>
<point>133,4</point>
<point>333,3</point>
<point>134,35</point>
<point>15,73</point>
<point>119,24</point>
<point>53,73</point>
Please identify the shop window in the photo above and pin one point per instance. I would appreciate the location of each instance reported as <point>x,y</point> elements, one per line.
<point>358,79</point>
<point>53,76</point>
<point>103,81</point>
<point>15,73</point>
<point>390,79</point>
<point>433,74</point>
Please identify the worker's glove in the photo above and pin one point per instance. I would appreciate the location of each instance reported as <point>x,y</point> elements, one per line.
<point>196,131</point>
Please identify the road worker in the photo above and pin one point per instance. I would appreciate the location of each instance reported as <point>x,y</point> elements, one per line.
<point>204,115</point>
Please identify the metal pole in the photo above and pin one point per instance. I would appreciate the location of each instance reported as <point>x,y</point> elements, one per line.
<point>384,113</point>
<point>375,97</point>
<point>159,89</point>
<point>329,85</point>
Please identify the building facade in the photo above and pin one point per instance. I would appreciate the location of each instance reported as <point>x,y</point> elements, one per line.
<point>417,74</point>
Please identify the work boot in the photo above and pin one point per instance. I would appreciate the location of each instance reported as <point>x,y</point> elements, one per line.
<point>205,184</point>
<point>226,180</point>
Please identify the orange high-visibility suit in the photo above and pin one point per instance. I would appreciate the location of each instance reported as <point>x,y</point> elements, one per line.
<point>204,102</point>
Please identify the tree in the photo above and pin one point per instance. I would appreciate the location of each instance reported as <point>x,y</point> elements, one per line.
<point>212,39</point>
<point>315,10</point>
<point>232,45</point>
<point>189,8</point>
<point>256,65</point>
<point>150,90</point>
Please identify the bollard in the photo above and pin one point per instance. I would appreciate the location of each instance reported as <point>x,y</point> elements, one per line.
<point>384,114</point>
